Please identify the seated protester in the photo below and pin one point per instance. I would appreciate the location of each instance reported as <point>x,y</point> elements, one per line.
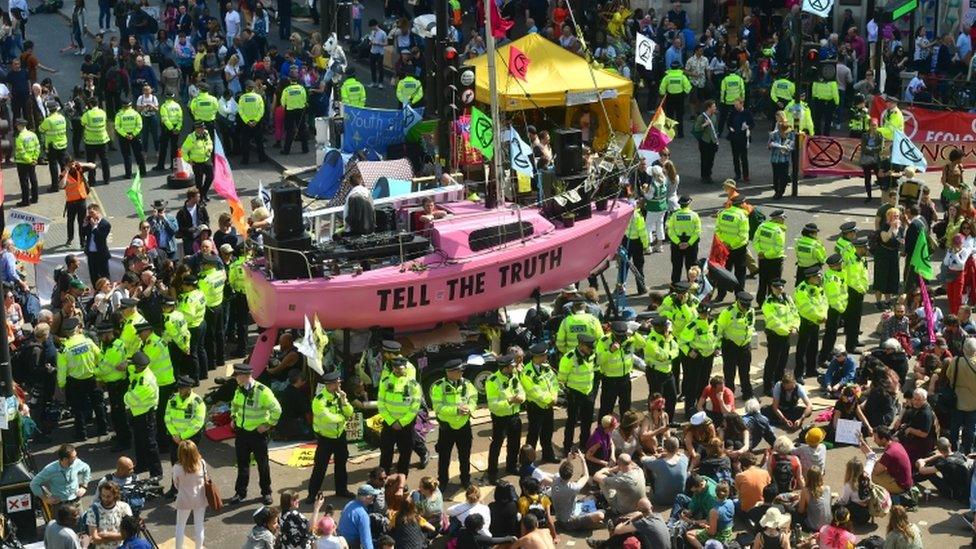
<point>783,466</point>
<point>902,533</point>
<point>656,426</point>
<point>696,501</point>
<point>791,405</point>
<point>895,358</point>
<point>626,438</point>
<point>408,529</point>
<point>837,534</point>
<point>667,472</point>
<point>966,322</point>
<point>841,370</point>
<point>718,525</point>
<point>283,358</point>
<point>534,502</point>
<point>394,492</point>
<point>871,369</point>
<point>757,424</point>
<point>622,485</point>
<point>734,435</point>
<point>473,536</point>
<point>459,512</point>
<point>698,432</point>
<point>813,453</point>
<point>857,491</point>
<point>916,429</point>
<point>429,500</point>
<point>570,513</point>
<point>294,530</point>
<point>947,470</point>
<point>893,469</point>
<point>533,535</point>
<point>504,511</point>
<point>881,403</point>
<point>599,448</point>
<point>922,372</point>
<point>716,400</point>
<point>528,468</point>
<point>954,334</point>
<point>644,524</point>
<point>814,503</point>
<point>296,409</point>
<point>775,530</point>
<point>754,515</point>
<point>715,464</point>
<point>751,482</point>
<point>848,407</point>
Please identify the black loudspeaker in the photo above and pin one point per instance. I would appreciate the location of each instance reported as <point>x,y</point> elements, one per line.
<point>286,202</point>
<point>582,209</point>
<point>288,257</point>
<point>385,218</point>
<point>567,147</point>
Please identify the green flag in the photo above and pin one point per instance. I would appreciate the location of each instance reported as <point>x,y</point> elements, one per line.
<point>920,257</point>
<point>135,195</point>
<point>482,133</point>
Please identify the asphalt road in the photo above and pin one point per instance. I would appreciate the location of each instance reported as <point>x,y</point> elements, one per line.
<point>826,202</point>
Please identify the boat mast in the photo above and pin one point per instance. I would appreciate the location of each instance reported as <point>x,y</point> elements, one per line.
<point>493,103</point>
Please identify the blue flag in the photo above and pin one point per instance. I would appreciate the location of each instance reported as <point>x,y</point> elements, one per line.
<point>521,155</point>
<point>410,118</point>
<point>906,153</point>
<point>374,129</point>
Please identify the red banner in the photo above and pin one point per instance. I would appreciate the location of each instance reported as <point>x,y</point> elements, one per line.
<point>930,125</point>
<point>842,155</point>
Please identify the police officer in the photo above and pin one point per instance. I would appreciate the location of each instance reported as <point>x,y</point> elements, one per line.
<point>698,343</point>
<point>203,108</point>
<point>769,240</point>
<point>505,397</point>
<point>113,375</point>
<point>330,412</point>
<point>95,123</point>
<point>732,229</point>
<point>845,242</point>
<point>409,90</point>
<point>637,242</point>
<point>27,150</point>
<point>254,411</point>
<point>193,305</point>
<point>176,334</point>
<point>77,363</point>
<point>171,117</point>
<point>684,231</point>
<point>615,360</point>
<point>781,92</point>
<point>213,278</point>
<point>250,109</point>
<point>679,308</point>
<point>353,92</point>
<point>811,304</point>
<point>141,400</point>
<point>578,322</point>
<point>810,252</point>
<point>835,288</point>
<point>198,151</point>
<point>674,87</point>
<point>541,389</point>
<point>294,100</point>
<point>162,367</point>
<point>577,373</point>
<point>235,302</point>
<point>400,398</point>
<point>735,327</point>
<point>826,98</point>
<point>128,126</point>
<point>856,271</point>
<point>131,317</point>
<point>732,89</point>
<point>660,352</point>
<point>185,416</point>
<point>798,115</point>
<point>892,119</point>
<point>54,129</point>
<point>454,400</point>
<point>860,117</point>
<point>782,321</point>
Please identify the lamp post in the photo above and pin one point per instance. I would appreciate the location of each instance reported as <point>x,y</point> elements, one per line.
<point>15,494</point>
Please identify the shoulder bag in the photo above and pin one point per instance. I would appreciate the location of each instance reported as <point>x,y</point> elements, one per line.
<point>213,495</point>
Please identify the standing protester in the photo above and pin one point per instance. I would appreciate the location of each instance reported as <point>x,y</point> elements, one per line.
<point>72,180</point>
<point>141,400</point>
<point>741,124</point>
<point>505,397</point>
<point>454,400</point>
<point>706,132</point>
<point>189,478</point>
<point>27,151</point>
<point>684,232</point>
<point>54,129</point>
<point>94,240</point>
<point>781,144</point>
<point>330,412</point>
<point>254,411</point>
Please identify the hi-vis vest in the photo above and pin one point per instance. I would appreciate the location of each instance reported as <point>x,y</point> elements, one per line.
<point>329,415</point>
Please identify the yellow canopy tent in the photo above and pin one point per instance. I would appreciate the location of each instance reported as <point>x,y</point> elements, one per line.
<point>557,78</point>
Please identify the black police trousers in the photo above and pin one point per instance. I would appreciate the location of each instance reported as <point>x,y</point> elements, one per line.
<point>778,347</point>
<point>682,260</point>
<point>830,335</point>
<point>132,148</point>
<point>295,127</point>
<point>56,160</point>
<point>504,428</point>
<point>93,151</point>
<point>662,382</point>
<point>251,134</point>
<point>84,397</point>
<point>147,451</point>
<point>120,422</point>
<point>174,448</point>
<point>27,175</point>
<point>247,443</point>
<point>579,411</point>
<point>806,349</point>
<point>769,270</point>
<point>198,351</point>
<point>698,370</point>
<point>852,319</point>
<point>214,336</point>
<point>735,264</point>
<point>326,449</point>
<point>162,435</point>
<point>203,175</point>
<point>614,389</point>
<point>183,363</point>
<point>540,429</point>
<point>402,441</point>
<point>447,439</point>
<point>168,142</point>
<point>737,358</point>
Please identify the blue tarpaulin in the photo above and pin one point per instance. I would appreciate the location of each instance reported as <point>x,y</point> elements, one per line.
<point>387,186</point>
<point>328,179</point>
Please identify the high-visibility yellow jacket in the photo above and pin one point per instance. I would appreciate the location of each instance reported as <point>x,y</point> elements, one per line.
<point>835,288</point>
<point>699,335</point>
<point>185,417</point>
<point>447,397</point>
<point>574,325</point>
<point>780,314</point>
<point>811,302</point>
<point>330,414</point>
<point>400,399</point>
<point>499,389</point>
<point>143,394</point>
<point>253,408</point>
<point>683,225</point>
<point>732,227</point>
<point>78,359</point>
<point>736,325</point>
<point>617,362</point>
<point>540,384</point>
<point>576,371</point>
<point>770,240</point>
<point>660,350</point>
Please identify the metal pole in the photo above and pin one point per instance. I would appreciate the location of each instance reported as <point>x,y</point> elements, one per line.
<point>798,109</point>
<point>496,163</point>
<point>443,120</point>
<point>12,448</point>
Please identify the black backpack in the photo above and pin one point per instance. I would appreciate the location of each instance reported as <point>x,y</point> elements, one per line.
<point>782,473</point>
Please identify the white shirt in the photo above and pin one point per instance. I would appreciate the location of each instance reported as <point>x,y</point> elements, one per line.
<point>233,21</point>
<point>872,31</point>
<point>142,101</point>
<point>193,213</point>
<point>358,190</point>
<point>914,86</point>
<point>462,510</point>
<point>844,76</point>
<point>377,41</point>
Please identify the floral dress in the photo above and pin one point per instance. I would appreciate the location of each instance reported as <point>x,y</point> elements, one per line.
<point>295,533</point>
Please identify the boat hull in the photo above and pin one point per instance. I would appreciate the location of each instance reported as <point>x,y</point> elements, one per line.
<point>442,292</point>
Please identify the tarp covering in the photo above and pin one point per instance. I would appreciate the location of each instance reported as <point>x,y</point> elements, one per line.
<point>325,183</point>
<point>371,172</point>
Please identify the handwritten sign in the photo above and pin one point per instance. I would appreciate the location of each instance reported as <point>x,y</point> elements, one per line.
<point>354,428</point>
<point>303,456</point>
<point>26,230</point>
<point>848,432</point>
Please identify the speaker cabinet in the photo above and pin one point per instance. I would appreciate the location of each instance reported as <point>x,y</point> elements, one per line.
<point>289,257</point>
<point>567,146</point>
<point>286,202</point>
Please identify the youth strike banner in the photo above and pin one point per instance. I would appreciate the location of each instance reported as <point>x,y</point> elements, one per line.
<point>841,156</point>
<point>929,125</point>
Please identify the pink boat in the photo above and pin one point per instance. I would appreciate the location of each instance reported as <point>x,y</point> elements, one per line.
<point>480,260</point>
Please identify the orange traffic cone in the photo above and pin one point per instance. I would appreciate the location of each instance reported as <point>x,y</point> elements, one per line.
<point>182,177</point>
<point>180,166</point>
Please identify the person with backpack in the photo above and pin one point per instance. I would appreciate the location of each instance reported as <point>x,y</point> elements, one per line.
<point>104,518</point>
<point>784,467</point>
<point>534,502</point>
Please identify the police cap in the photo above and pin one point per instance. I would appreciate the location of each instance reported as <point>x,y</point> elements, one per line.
<point>391,346</point>
<point>848,227</point>
<point>140,326</point>
<point>834,259</point>
<point>777,214</point>
<point>185,381</point>
<point>71,324</point>
<point>659,320</point>
<point>126,102</point>
<point>585,339</point>
<point>505,360</point>
<point>454,364</point>
<point>128,302</point>
<point>52,105</point>
<point>811,228</point>
<point>211,260</point>
<point>21,122</point>
<point>861,241</point>
<point>704,307</point>
<point>743,297</point>
<point>167,301</point>
<point>139,359</point>
<point>190,279</point>
<point>331,377</point>
<point>538,348</point>
<point>684,200</point>
<point>680,287</point>
<point>811,271</point>
<point>242,369</point>
<point>619,327</point>
<point>778,282</point>
<point>199,124</point>
<point>105,328</point>
<point>399,361</point>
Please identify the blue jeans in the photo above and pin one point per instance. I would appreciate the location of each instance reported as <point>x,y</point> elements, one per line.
<point>357,30</point>
<point>681,502</point>
<point>104,14</point>
<point>967,422</point>
<point>150,130</point>
<point>76,36</point>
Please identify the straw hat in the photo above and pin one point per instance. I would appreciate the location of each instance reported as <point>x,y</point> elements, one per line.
<point>774,518</point>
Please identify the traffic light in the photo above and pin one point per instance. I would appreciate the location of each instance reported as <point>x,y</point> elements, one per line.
<point>828,70</point>
<point>449,76</point>
<point>811,65</point>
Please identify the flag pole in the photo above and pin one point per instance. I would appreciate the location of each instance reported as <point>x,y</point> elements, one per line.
<point>496,160</point>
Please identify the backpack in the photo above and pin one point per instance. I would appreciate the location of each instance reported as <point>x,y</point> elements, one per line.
<point>83,519</point>
<point>22,362</point>
<point>879,501</point>
<point>871,542</point>
<point>783,476</point>
<point>957,474</point>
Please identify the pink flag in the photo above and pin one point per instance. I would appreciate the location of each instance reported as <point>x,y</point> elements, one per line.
<point>499,25</point>
<point>223,185</point>
<point>518,63</point>
<point>927,304</point>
